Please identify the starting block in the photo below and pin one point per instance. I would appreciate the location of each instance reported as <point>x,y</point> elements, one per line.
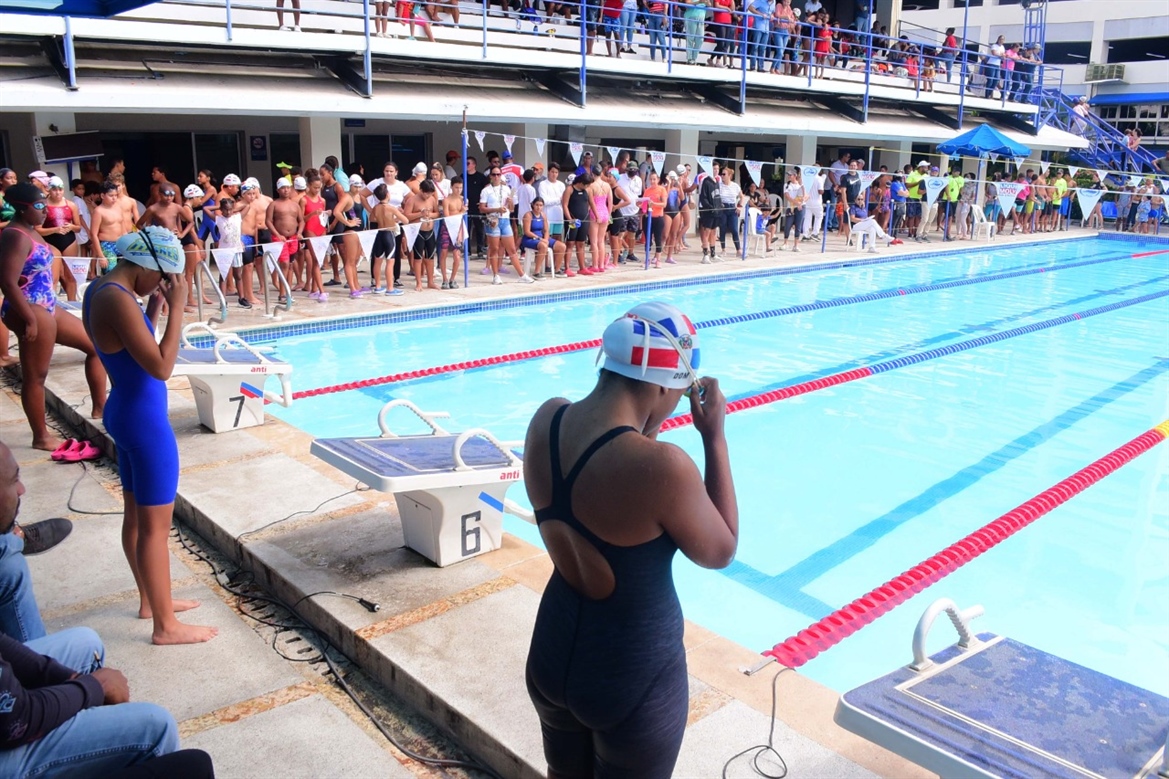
<point>450,487</point>
<point>228,380</point>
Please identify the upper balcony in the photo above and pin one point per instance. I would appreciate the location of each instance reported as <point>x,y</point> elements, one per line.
<point>861,78</point>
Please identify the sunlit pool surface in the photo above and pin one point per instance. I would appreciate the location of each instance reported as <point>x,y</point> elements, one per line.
<point>842,489</point>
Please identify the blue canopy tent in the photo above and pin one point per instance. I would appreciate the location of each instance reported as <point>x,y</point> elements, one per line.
<point>981,141</point>
<point>77,8</point>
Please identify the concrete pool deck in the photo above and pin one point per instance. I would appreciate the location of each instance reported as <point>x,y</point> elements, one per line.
<point>451,642</point>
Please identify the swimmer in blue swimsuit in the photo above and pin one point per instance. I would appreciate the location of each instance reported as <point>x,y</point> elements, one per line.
<point>136,414</point>
<point>606,669</point>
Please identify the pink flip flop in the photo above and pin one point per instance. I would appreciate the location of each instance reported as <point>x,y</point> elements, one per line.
<point>59,453</point>
<point>86,451</point>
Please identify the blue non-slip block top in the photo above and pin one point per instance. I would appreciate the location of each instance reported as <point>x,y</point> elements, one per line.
<point>391,457</point>
<point>1057,709</point>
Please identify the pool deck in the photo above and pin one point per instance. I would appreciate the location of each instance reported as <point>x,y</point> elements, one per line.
<point>451,642</point>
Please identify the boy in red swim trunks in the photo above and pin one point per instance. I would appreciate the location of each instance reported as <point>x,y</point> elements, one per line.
<point>285,221</point>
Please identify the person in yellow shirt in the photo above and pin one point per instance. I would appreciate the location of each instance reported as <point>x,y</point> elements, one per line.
<point>913,205</point>
<point>953,190</point>
<point>1059,199</point>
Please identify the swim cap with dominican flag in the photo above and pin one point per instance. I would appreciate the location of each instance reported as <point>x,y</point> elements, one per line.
<point>653,342</point>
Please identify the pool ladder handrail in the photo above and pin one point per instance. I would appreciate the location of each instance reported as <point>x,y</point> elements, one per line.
<point>269,310</point>
<point>204,268</point>
<point>961,620</point>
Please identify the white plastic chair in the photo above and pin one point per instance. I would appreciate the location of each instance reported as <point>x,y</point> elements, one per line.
<point>982,225</point>
<point>756,238</point>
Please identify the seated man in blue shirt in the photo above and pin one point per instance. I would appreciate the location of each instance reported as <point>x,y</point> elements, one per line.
<point>61,712</point>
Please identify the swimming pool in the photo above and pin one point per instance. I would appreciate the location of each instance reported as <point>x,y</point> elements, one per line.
<point>842,488</point>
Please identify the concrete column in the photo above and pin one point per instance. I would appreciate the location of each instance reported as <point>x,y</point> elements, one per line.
<point>681,148</point>
<point>888,13</point>
<point>895,160</point>
<point>801,150</point>
<point>320,137</point>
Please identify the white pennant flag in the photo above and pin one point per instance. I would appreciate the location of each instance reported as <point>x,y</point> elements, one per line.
<point>1007,192</point>
<point>320,247</point>
<point>807,174</point>
<point>1043,166</point>
<point>479,136</point>
<point>411,233</point>
<point>1019,162</point>
<point>1103,174</point>
<point>1134,181</point>
<point>575,149</point>
<point>994,156</point>
<point>1073,170</point>
<point>454,228</point>
<point>868,177</point>
<point>613,152</point>
<point>508,140</point>
<point>223,260</point>
<point>755,169</point>
<point>272,254</point>
<point>659,160</point>
<point>367,237</point>
<point>540,146</point>
<point>705,163</point>
<point>1088,200</point>
<point>933,187</point>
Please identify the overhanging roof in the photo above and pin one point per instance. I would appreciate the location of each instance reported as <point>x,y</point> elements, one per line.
<point>78,8</point>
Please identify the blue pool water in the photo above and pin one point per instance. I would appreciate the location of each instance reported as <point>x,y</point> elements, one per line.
<point>842,489</point>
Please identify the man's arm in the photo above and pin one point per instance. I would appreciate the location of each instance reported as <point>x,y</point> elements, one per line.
<point>37,694</point>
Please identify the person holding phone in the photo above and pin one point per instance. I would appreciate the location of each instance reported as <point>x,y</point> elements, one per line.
<point>606,670</point>
<point>136,411</point>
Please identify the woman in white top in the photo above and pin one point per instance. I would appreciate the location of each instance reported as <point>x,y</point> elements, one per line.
<point>794,198</point>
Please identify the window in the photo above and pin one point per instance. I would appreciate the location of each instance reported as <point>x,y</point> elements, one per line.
<point>283,147</point>
<point>964,3</point>
<point>921,5</point>
<point>372,151</point>
<point>408,150</point>
<point>1138,49</point>
<point>1067,52</point>
<point>219,152</point>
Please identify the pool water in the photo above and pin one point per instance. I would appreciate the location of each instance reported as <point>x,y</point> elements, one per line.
<point>842,489</point>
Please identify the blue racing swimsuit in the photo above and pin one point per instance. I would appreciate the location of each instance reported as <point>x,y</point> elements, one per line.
<point>608,677</point>
<point>136,417</point>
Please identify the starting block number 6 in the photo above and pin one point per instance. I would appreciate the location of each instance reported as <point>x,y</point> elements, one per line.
<point>473,532</point>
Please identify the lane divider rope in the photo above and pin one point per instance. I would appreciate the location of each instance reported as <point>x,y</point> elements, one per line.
<point>595,343</point>
<point>803,388</point>
<point>842,623</point>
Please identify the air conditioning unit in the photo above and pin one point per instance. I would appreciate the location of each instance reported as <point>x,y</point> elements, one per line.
<point>1098,72</point>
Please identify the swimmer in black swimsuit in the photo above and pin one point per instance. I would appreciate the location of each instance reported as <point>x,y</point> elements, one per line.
<point>607,670</point>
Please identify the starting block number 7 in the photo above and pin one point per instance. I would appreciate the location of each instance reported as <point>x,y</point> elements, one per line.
<point>240,399</point>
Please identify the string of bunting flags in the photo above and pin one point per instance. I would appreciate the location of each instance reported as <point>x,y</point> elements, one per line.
<point>755,167</point>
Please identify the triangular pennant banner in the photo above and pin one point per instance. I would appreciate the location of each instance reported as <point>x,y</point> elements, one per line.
<point>454,228</point>
<point>1073,170</point>
<point>367,237</point>
<point>1088,200</point>
<point>755,169</point>
<point>994,156</point>
<point>411,233</point>
<point>659,160</point>
<point>933,187</point>
<point>223,260</point>
<point>479,136</point>
<point>540,146</point>
<point>320,246</point>
<point>807,173</point>
<point>271,254</point>
<point>1044,165</point>
<point>508,141</point>
<point>868,177</point>
<point>576,149</point>
<point>705,163</point>
<point>1019,162</point>
<point>613,152</point>
<point>1007,192</point>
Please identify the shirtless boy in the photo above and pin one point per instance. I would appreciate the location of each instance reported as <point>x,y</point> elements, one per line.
<point>127,205</point>
<point>423,209</point>
<point>105,228</point>
<point>452,205</point>
<point>285,222</point>
<point>252,221</point>
<point>387,217</point>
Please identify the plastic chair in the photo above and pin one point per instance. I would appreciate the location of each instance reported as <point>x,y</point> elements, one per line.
<point>983,225</point>
<point>754,216</point>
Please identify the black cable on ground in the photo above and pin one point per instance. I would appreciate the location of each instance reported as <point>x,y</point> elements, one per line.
<point>69,502</point>
<point>761,750</point>
<point>358,487</point>
<point>327,644</point>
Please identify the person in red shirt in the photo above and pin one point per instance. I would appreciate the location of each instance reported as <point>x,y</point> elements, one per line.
<point>721,28</point>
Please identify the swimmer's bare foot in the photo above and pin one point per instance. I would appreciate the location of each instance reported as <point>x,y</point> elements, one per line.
<point>48,444</point>
<point>432,285</point>
<point>191,309</point>
<point>8,359</point>
<point>178,605</point>
<point>418,288</point>
<point>206,300</point>
<point>182,633</point>
<point>98,411</point>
